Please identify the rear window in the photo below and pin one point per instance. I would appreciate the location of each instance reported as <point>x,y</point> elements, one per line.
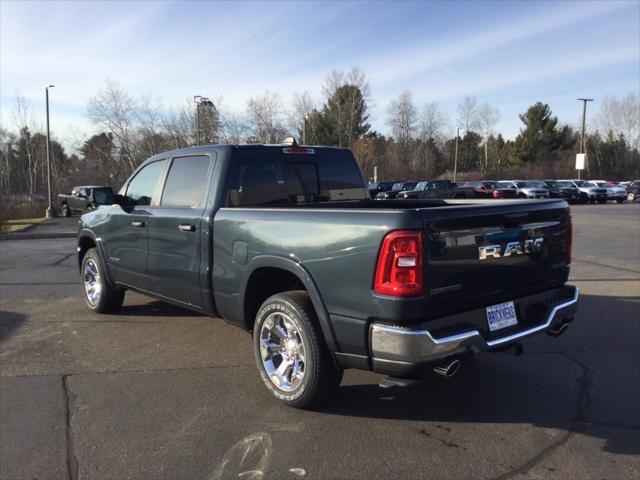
<point>271,178</point>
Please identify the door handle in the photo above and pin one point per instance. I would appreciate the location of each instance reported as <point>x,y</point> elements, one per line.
<point>137,224</point>
<point>186,228</point>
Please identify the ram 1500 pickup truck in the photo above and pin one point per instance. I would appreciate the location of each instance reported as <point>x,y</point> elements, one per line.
<point>284,242</point>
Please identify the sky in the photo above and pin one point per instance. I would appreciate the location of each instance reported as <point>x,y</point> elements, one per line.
<point>509,54</point>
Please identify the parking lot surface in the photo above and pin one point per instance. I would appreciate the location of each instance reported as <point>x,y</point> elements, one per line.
<point>163,393</point>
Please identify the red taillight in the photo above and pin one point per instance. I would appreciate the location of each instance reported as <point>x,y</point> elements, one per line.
<point>399,269</point>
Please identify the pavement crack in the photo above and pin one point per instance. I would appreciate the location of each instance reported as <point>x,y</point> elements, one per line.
<point>63,259</point>
<point>72,461</point>
<point>578,422</point>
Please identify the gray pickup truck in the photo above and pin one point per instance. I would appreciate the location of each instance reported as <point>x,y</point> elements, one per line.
<point>284,242</point>
<point>84,198</point>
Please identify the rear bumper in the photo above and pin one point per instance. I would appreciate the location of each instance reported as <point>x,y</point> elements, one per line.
<point>405,351</point>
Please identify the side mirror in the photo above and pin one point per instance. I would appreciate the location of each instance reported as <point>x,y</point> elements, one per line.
<point>103,196</point>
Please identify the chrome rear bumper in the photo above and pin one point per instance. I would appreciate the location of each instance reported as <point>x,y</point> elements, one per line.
<point>405,346</point>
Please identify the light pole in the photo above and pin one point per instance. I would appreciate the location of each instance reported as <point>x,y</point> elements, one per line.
<point>583,146</point>
<point>50,213</point>
<point>197,98</point>
<point>304,130</point>
<point>455,158</point>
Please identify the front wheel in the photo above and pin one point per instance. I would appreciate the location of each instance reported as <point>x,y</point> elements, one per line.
<point>293,360</point>
<point>99,295</point>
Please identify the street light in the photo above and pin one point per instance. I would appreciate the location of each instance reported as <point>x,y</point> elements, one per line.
<point>50,213</point>
<point>583,146</point>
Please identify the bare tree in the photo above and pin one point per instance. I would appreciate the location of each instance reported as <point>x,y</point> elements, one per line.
<point>234,128</point>
<point>150,118</point>
<point>24,123</point>
<point>621,117</point>
<point>303,106</point>
<point>115,111</point>
<point>487,117</point>
<point>432,121</point>
<point>265,114</point>
<point>468,113</point>
<point>403,118</point>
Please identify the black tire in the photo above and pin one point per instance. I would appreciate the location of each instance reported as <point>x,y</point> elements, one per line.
<point>109,298</point>
<point>592,201</point>
<point>620,200</point>
<point>66,211</point>
<point>321,375</point>
<point>602,201</point>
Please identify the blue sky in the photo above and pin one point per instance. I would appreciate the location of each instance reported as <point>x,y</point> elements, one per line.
<point>507,53</point>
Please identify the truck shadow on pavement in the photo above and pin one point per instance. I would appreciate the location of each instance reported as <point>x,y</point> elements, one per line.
<point>588,385</point>
<point>9,321</point>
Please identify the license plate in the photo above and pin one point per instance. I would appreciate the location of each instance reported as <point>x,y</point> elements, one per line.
<point>501,316</point>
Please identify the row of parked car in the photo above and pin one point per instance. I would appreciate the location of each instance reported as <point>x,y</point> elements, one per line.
<point>574,191</point>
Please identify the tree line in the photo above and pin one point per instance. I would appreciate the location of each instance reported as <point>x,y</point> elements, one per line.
<point>423,142</point>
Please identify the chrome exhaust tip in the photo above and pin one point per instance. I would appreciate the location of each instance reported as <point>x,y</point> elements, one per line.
<point>557,331</point>
<point>448,368</point>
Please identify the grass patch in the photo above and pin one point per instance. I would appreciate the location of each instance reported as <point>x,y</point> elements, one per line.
<point>9,226</point>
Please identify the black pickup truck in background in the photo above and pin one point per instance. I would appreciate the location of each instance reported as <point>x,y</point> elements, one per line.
<point>437,189</point>
<point>84,198</point>
<point>284,242</point>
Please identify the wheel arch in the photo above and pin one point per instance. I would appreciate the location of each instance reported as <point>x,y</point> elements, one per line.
<point>288,274</point>
<point>86,240</point>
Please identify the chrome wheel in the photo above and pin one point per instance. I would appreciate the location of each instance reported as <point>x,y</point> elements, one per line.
<point>631,196</point>
<point>91,280</point>
<point>282,351</point>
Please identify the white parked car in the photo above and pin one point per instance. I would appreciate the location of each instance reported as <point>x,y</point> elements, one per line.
<point>614,192</point>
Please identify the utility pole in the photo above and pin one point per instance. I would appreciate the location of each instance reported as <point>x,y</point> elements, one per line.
<point>455,158</point>
<point>583,145</point>
<point>304,130</point>
<point>50,212</point>
<point>197,98</point>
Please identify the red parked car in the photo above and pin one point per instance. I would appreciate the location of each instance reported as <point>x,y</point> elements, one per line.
<point>492,189</point>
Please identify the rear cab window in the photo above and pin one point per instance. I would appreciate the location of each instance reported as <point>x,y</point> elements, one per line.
<point>272,177</point>
<point>186,182</point>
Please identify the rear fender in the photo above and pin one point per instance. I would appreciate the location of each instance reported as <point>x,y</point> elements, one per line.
<point>303,275</point>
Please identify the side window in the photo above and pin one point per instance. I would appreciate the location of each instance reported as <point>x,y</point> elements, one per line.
<point>142,187</point>
<point>186,182</point>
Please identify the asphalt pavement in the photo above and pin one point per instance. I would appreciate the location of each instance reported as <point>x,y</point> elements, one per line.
<point>162,393</point>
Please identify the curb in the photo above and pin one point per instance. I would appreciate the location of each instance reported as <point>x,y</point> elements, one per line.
<point>35,236</point>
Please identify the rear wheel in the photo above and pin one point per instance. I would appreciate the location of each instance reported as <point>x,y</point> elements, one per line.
<point>99,295</point>
<point>293,360</point>
<point>631,196</point>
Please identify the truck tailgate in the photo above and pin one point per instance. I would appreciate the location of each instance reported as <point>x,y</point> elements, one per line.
<point>479,255</point>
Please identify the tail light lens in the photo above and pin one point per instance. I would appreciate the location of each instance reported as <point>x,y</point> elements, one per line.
<point>399,269</point>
